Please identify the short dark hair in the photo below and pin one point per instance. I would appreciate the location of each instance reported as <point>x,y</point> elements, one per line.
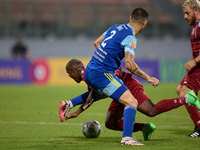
<point>72,63</point>
<point>139,15</point>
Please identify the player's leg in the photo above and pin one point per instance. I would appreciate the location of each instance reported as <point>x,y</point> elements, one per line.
<point>193,111</point>
<point>114,116</point>
<point>169,104</point>
<point>114,120</point>
<point>178,89</point>
<point>149,109</point>
<point>194,115</point>
<point>144,105</point>
<point>110,85</point>
<point>129,113</point>
<point>113,87</point>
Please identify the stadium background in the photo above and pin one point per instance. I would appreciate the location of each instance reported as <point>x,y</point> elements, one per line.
<point>56,31</point>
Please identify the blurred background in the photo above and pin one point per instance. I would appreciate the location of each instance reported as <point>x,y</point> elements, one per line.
<point>68,28</point>
<point>87,18</point>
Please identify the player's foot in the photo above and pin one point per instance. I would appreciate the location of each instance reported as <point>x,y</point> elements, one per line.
<point>148,132</point>
<point>196,132</point>
<point>64,110</point>
<point>129,141</point>
<point>192,99</point>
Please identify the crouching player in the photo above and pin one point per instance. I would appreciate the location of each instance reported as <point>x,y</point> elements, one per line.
<point>114,121</point>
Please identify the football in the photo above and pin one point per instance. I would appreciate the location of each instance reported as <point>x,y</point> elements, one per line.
<point>91,129</point>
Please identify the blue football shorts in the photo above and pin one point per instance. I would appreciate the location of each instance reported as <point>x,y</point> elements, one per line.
<point>105,83</point>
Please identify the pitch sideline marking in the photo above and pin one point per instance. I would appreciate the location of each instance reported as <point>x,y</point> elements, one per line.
<point>40,123</point>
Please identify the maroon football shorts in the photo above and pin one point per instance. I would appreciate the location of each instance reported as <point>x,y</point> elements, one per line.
<point>135,88</point>
<point>192,80</point>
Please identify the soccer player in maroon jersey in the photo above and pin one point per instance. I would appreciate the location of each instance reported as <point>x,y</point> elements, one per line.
<point>191,10</point>
<point>75,70</point>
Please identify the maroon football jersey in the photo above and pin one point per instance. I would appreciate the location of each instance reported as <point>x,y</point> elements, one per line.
<point>195,40</point>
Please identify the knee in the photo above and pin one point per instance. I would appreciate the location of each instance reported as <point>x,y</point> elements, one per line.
<point>135,103</point>
<point>178,90</point>
<point>151,113</point>
<point>109,125</point>
<point>132,102</point>
<point>128,99</point>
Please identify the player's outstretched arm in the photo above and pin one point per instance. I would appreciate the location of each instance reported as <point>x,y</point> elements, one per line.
<point>89,99</point>
<point>154,81</point>
<point>75,114</point>
<point>134,69</point>
<point>98,41</point>
<point>93,97</point>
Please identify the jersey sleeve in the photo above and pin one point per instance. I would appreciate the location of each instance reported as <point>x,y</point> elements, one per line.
<point>129,44</point>
<point>107,30</point>
<point>105,33</point>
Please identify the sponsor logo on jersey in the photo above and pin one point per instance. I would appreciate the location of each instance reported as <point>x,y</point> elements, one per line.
<point>192,31</point>
<point>132,45</point>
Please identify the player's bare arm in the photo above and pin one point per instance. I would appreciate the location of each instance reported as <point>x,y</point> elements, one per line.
<point>98,41</point>
<point>85,106</point>
<point>75,114</point>
<point>134,69</point>
<point>89,99</point>
<point>197,59</point>
<point>190,64</point>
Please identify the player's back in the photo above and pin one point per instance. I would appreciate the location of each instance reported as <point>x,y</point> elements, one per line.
<point>109,54</point>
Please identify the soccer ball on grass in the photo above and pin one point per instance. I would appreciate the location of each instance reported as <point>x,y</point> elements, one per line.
<point>91,129</point>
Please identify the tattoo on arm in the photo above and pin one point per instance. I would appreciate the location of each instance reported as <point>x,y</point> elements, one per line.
<point>139,74</point>
<point>133,72</point>
<point>129,64</point>
<point>134,69</point>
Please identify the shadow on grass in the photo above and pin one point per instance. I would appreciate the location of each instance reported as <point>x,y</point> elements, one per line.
<point>113,140</point>
<point>70,142</point>
<point>82,138</point>
<point>181,131</point>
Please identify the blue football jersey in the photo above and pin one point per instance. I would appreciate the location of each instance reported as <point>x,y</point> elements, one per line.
<point>118,40</point>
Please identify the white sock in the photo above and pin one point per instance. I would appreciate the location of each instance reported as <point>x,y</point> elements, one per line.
<point>70,104</point>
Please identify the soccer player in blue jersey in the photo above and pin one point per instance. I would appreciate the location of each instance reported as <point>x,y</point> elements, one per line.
<point>114,118</point>
<point>117,43</point>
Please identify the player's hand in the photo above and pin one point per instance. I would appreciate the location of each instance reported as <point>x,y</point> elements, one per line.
<point>154,81</point>
<point>89,100</point>
<point>120,68</point>
<point>71,115</point>
<point>189,65</point>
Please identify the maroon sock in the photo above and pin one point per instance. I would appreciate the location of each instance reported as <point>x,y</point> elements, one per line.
<point>194,114</point>
<point>168,104</point>
<point>138,127</point>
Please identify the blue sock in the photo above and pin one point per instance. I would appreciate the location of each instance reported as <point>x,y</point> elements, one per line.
<point>129,120</point>
<point>80,99</point>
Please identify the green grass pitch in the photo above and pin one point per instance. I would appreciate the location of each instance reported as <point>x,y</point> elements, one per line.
<point>29,120</point>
